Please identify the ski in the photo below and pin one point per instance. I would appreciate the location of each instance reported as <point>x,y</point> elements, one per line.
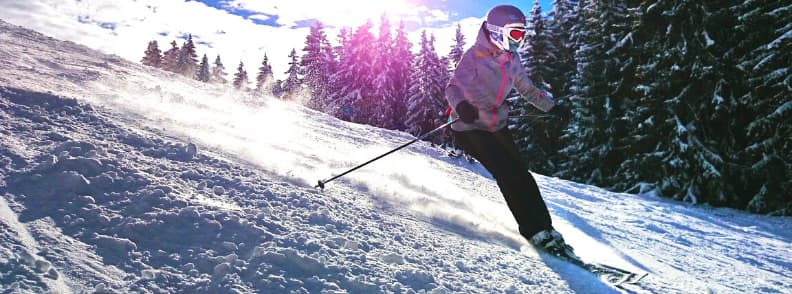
<point>612,275</point>
<point>629,277</point>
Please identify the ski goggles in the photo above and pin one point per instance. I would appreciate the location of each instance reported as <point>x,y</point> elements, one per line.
<point>513,31</point>
<point>509,37</point>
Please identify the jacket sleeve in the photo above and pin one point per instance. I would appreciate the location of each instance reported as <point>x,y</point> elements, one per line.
<point>538,98</point>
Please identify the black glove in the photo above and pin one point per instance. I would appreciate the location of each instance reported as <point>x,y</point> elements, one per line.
<point>467,112</point>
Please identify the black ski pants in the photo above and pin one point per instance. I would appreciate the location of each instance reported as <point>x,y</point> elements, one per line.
<point>499,154</point>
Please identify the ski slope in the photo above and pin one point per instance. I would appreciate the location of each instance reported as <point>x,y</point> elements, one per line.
<point>102,191</point>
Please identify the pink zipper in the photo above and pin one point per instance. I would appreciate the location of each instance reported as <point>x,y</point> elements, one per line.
<point>500,92</point>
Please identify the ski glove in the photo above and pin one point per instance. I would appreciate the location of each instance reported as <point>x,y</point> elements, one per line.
<point>467,112</point>
<point>542,100</point>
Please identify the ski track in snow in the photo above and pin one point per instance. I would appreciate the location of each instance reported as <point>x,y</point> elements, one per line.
<point>103,193</point>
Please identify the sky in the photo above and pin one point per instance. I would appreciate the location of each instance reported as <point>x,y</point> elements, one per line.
<point>239,30</point>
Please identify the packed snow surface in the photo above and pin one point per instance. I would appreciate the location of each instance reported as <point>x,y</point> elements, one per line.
<point>119,178</point>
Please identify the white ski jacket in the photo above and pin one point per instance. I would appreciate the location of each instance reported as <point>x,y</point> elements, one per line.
<point>484,76</point>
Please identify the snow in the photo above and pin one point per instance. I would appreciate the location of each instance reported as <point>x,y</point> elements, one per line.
<point>120,178</point>
<point>709,40</point>
<point>786,107</point>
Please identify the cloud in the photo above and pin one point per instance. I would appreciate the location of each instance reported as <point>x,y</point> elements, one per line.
<point>339,13</point>
<point>125,27</point>
<point>445,35</point>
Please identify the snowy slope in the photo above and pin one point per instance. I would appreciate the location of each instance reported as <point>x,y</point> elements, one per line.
<point>103,190</point>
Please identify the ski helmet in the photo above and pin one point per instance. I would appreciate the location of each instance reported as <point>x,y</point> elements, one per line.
<point>506,26</point>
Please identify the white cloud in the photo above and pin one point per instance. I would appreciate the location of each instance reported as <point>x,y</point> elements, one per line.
<point>125,27</point>
<point>233,37</point>
<point>444,36</point>
<point>263,17</point>
<point>339,13</point>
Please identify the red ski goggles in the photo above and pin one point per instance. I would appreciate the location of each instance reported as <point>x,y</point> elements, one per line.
<point>509,36</point>
<point>516,34</point>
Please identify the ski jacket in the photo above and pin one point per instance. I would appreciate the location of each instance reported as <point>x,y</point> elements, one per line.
<point>484,77</point>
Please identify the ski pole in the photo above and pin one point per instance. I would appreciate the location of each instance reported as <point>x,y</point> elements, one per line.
<point>537,116</point>
<point>322,183</point>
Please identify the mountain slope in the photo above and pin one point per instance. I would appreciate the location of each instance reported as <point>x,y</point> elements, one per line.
<point>122,178</point>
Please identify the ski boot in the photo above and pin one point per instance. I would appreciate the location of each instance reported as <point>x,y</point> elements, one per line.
<point>552,242</point>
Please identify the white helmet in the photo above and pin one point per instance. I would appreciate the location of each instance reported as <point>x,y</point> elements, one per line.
<point>506,26</point>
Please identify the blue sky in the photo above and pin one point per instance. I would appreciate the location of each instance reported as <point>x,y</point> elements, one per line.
<point>456,10</point>
<point>239,30</point>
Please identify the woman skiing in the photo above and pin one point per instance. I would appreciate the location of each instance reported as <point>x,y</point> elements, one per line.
<point>476,92</point>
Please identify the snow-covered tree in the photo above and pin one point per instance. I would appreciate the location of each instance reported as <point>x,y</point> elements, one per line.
<point>264,78</point>
<point>241,78</point>
<point>317,65</point>
<point>187,61</point>
<point>537,138</point>
<point>560,29</point>
<point>334,105</point>
<point>277,88</point>
<point>203,74</point>
<point>457,49</point>
<point>351,100</point>
<point>426,100</point>
<point>401,70</point>
<point>764,36</point>
<point>152,56</point>
<point>383,83</point>
<point>292,85</point>
<point>686,126</point>
<point>218,72</point>
<point>170,58</point>
<point>592,137</point>
<point>539,51</point>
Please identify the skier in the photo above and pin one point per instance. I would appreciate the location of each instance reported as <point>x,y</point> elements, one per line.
<point>476,92</point>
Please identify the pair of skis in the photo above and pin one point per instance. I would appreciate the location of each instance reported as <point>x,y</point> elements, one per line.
<point>612,275</point>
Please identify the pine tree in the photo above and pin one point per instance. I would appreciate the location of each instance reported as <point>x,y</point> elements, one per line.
<point>170,58</point>
<point>203,74</point>
<point>401,70</point>
<point>351,101</point>
<point>764,37</point>
<point>218,72</point>
<point>277,88</point>
<point>187,61</point>
<point>264,78</point>
<point>335,106</point>
<point>539,51</point>
<point>537,138</point>
<point>317,63</point>
<point>426,102</point>
<point>592,138</point>
<point>458,48</point>
<point>152,56</point>
<point>561,70</point>
<point>560,29</point>
<point>241,78</point>
<point>383,84</point>
<point>292,85</point>
<point>682,141</point>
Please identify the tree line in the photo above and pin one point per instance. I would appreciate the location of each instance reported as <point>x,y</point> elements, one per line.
<point>691,100</point>
<point>685,99</point>
<point>184,61</point>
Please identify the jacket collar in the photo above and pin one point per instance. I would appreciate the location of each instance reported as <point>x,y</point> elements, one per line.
<point>483,45</point>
